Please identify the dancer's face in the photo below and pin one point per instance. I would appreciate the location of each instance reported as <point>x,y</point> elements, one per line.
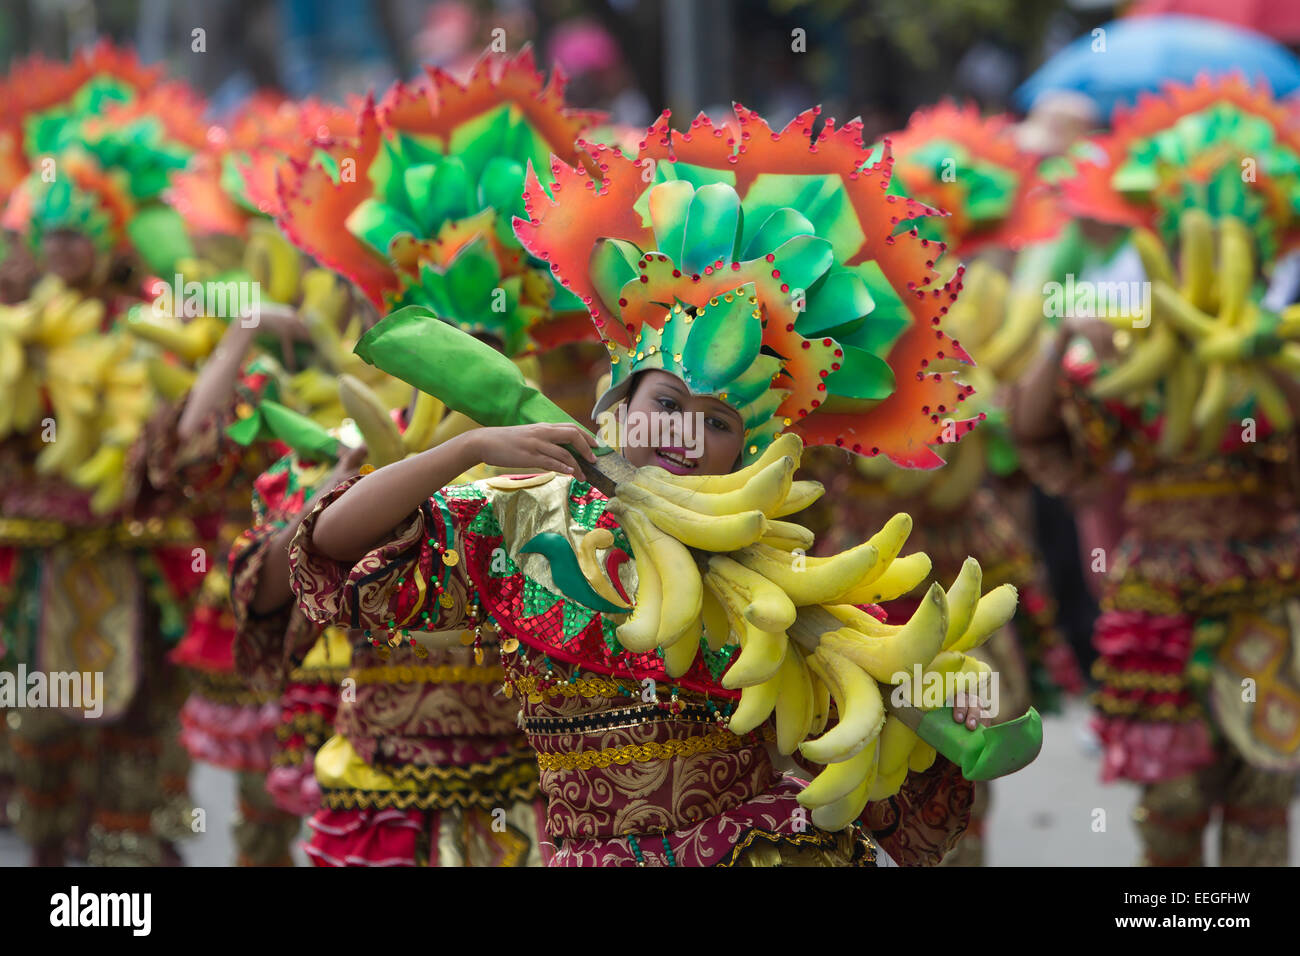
<point>683,433</point>
<point>69,255</point>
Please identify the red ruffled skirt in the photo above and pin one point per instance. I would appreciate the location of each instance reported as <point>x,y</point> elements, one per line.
<point>222,722</point>
<point>1149,721</point>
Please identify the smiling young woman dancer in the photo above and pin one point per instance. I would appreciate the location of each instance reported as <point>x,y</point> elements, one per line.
<point>650,752</point>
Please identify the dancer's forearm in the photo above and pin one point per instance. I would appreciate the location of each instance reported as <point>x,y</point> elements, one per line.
<point>216,381</point>
<point>273,584</point>
<point>371,508</point>
<point>1036,414</point>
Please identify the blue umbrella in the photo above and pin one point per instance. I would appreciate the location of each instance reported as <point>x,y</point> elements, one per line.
<point>1144,53</point>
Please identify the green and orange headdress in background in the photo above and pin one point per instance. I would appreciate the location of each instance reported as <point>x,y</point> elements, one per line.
<point>86,144</point>
<point>952,158</point>
<point>234,180</point>
<point>416,208</point>
<point>39,97</point>
<point>1218,145</point>
<point>764,268</point>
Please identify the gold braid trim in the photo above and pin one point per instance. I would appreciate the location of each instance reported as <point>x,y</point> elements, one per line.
<point>290,757</point>
<point>443,674</point>
<point>1210,600</point>
<point>718,740</point>
<point>301,723</point>
<point>1141,493</point>
<point>394,799</point>
<point>228,689</point>
<point>313,728</point>
<point>1129,680</point>
<point>521,759</point>
<point>37,532</point>
<point>318,675</point>
<point>1162,712</point>
<point>584,686</point>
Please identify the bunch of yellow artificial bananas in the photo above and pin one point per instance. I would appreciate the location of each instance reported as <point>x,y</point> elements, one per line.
<point>755,580</point>
<point>95,384</point>
<point>38,338</point>
<point>371,415</point>
<point>101,402</point>
<point>190,341</point>
<point>54,358</point>
<point>1003,339</point>
<point>325,306</point>
<point>430,425</point>
<point>868,753</point>
<point>1207,348</point>
<point>1001,329</point>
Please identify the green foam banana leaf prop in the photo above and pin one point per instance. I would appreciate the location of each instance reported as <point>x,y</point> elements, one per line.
<point>159,236</point>
<point>469,376</point>
<point>271,420</point>
<point>984,753</point>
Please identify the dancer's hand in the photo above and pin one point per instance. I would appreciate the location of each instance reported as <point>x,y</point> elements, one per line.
<point>350,462</point>
<point>971,710</point>
<point>540,447</point>
<point>284,324</point>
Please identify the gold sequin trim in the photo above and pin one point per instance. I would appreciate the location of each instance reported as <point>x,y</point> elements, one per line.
<point>1162,712</point>
<point>445,674</point>
<point>582,687</point>
<point>643,753</point>
<point>131,534</point>
<point>1128,680</point>
<point>1142,493</point>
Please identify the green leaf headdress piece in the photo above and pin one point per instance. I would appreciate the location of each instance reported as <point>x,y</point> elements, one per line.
<point>416,208</point>
<point>764,268</point>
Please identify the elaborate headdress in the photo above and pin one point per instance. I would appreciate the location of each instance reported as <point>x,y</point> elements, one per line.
<point>1218,145</point>
<point>39,96</point>
<point>114,132</point>
<point>80,197</point>
<point>952,158</point>
<point>233,180</point>
<point>416,208</point>
<point>762,268</point>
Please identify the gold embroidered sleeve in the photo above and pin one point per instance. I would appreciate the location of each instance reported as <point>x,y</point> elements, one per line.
<point>411,581</point>
<point>923,821</point>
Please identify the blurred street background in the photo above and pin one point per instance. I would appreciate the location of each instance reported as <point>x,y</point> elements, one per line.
<point>875,58</point>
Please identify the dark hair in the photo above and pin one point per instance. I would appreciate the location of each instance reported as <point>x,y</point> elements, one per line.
<point>634,384</point>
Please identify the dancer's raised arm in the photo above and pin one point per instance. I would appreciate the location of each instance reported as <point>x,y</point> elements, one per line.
<point>372,507</point>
